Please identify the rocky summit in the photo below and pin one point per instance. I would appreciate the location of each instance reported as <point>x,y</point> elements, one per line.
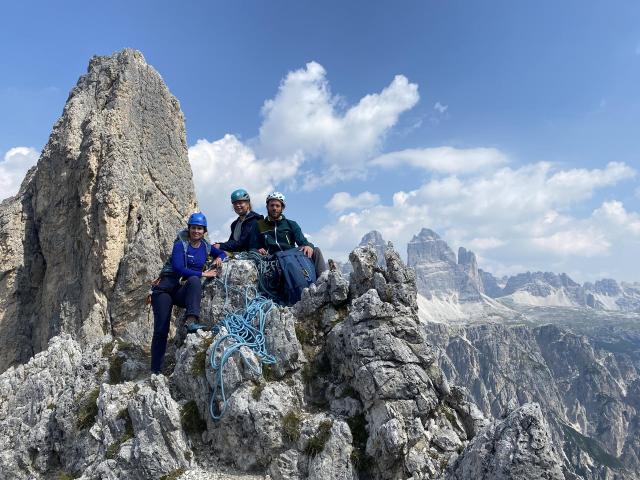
<point>92,221</point>
<point>359,383</point>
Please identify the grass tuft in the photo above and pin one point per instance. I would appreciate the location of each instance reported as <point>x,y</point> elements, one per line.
<point>199,363</point>
<point>291,426</point>
<point>191,420</point>
<point>358,426</point>
<point>174,475</point>
<point>316,444</point>
<point>256,393</point>
<point>128,434</point>
<point>88,410</point>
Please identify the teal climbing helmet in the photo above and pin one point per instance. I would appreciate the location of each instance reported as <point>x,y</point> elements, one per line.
<point>240,194</point>
<point>198,218</point>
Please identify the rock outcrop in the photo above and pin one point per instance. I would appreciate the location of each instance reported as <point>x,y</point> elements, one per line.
<point>87,232</point>
<point>374,238</point>
<point>491,455</point>
<point>490,284</point>
<point>439,274</point>
<point>356,392</point>
<point>585,391</point>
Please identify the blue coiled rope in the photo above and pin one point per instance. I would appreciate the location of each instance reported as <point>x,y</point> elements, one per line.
<point>245,328</point>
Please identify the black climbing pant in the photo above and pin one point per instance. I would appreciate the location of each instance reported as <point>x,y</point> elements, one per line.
<point>165,295</point>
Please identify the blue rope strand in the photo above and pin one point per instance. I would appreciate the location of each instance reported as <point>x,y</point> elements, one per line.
<point>245,328</point>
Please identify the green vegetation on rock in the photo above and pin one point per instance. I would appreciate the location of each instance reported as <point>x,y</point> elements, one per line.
<point>316,444</point>
<point>88,410</point>
<point>291,425</point>
<point>191,420</point>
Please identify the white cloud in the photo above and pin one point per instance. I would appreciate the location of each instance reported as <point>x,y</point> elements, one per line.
<point>578,184</point>
<point>522,214</point>
<point>613,215</point>
<point>304,119</point>
<point>342,201</point>
<point>13,168</point>
<point>227,164</point>
<point>485,243</point>
<point>440,108</point>
<point>443,159</point>
<point>587,242</point>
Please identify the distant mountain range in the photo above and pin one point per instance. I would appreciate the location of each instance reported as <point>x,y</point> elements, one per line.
<point>444,275</point>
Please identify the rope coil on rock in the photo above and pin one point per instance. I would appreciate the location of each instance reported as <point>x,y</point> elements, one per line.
<point>244,328</point>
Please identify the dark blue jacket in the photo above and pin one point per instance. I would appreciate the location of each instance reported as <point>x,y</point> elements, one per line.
<point>242,244</point>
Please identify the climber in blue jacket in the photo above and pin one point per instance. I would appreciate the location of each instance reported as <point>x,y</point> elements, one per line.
<point>180,284</point>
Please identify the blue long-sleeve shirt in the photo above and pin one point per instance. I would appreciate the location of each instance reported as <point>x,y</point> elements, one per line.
<point>195,259</point>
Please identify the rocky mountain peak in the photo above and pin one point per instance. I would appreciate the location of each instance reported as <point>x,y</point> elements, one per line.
<point>93,219</point>
<point>467,257</point>
<point>607,286</point>
<point>374,238</point>
<point>438,271</point>
<point>427,246</point>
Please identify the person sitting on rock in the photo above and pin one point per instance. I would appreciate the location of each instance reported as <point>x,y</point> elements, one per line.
<point>276,233</point>
<point>180,285</point>
<point>241,226</point>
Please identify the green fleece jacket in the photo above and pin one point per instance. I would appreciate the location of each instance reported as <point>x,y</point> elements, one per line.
<point>277,235</point>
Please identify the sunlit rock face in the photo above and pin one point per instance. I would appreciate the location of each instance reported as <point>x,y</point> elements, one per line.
<point>439,273</point>
<point>92,221</point>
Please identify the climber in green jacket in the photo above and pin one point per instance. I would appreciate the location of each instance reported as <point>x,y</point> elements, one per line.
<point>277,233</point>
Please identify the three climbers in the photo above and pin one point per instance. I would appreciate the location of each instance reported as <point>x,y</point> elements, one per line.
<point>194,258</point>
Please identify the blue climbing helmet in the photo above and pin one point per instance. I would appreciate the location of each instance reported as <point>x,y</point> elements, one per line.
<point>198,218</point>
<point>240,194</point>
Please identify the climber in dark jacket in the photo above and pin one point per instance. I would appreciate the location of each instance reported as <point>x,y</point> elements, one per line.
<point>276,233</point>
<point>180,285</point>
<point>242,226</point>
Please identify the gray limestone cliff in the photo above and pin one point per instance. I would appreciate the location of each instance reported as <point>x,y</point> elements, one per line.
<point>87,232</point>
<point>356,392</point>
<point>587,389</point>
<point>439,273</point>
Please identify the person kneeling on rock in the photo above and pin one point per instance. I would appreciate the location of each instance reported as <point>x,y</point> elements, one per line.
<point>180,284</point>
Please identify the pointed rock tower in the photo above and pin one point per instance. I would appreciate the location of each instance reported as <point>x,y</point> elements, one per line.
<point>93,220</point>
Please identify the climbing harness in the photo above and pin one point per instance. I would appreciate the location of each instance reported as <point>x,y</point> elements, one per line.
<point>242,328</point>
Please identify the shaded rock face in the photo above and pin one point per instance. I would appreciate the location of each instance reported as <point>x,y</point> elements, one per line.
<point>438,273</point>
<point>585,391</point>
<point>469,280</point>
<point>91,223</point>
<point>491,454</point>
<point>490,284</point>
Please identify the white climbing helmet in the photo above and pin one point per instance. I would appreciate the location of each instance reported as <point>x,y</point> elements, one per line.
<point>276,196</point>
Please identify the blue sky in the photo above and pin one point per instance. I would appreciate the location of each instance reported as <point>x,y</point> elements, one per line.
<point>508,127</point>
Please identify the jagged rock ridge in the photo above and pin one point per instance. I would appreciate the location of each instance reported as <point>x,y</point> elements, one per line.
<point>88,229</point>
<point>356,393</point>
